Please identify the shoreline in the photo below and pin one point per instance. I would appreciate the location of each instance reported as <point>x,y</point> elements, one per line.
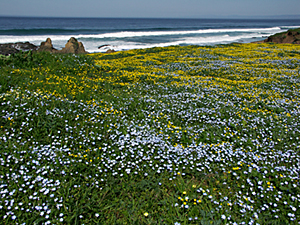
<point>13,48</point>
<point>292,36</point>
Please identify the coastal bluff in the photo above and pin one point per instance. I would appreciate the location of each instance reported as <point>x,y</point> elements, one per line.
<point>291,36</point>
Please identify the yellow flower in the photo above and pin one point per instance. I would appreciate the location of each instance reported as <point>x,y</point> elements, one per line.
<point>184,192</point>
<point>146,214</point>
<point>236,168</point>
<point>194,186</point>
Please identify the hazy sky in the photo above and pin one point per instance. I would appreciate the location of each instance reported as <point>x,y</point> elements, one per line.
<point>149,8</point>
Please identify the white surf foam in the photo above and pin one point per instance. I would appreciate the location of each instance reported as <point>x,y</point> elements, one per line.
<point>120,45</point>
<point>129,34</point>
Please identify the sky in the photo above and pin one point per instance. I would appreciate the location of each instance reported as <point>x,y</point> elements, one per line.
<point>151,8</point>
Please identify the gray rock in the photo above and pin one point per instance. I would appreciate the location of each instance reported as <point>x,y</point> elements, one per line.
<point>12,48</point>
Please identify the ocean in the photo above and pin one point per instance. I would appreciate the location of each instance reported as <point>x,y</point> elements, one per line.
<point>129,33</point>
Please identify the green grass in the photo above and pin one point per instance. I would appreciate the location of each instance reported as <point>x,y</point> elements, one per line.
<point>290,30</point>
<point>176,135</point>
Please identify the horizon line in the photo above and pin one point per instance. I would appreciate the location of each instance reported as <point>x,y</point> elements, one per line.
<point>274,17</point>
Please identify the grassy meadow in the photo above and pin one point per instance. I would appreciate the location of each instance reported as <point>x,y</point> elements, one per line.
<point>175,135</point>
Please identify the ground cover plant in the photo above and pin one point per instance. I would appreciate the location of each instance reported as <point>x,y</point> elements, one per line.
<point>176,135</point>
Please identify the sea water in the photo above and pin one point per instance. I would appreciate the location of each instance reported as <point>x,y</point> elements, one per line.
<point>129,33</point>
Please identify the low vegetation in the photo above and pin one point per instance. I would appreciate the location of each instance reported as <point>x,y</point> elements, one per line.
<point>176,135</point>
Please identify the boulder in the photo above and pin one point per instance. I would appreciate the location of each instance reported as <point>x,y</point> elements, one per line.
<point>47,46</point>
<point>73,46</point>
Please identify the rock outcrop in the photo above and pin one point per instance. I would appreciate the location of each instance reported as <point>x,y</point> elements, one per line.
<point>7,49</point>
<point>291,37</point>
<point>110,51</point>
<point>12,48</point>
<point>73,46</point>
<point>47,46</point>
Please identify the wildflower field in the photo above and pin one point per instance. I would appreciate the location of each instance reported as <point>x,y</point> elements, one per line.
<point>175,135</point>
